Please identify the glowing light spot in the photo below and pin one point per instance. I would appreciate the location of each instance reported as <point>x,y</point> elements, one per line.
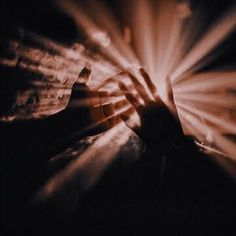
<point>101,38</point>
<point>183,10</point>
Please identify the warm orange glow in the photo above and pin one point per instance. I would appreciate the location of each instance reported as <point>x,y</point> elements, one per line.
<point>161,35</point>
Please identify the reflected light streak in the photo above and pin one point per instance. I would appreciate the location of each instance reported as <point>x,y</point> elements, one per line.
<point>90,28</point>
<point>184,10</point>
<point>227,125</point>
<point>222,142</point>
<point>101,37</point>
<point>160,40</point>
<point>226,161</point>
<point>216,100</point>
<point>89,166</point>
<point>108,22</point>
<point>207,82</point>
<point>142,26</point>
<point>167,33</point>
<point>73,54</point>
<point>218,32</point>
<point>165,44</point>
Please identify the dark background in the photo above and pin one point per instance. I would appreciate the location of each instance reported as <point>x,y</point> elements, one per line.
<point>198,197</point>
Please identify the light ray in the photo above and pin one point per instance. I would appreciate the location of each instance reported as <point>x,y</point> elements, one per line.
<point>218,32</point>
<point>227,125</point>
<point>222,142</point>
<point>215,100</point>
<point>90,29</point>
<point>108,22</point>
<point>207,82</point>
<point>226,161</point>
<point>89,166</point>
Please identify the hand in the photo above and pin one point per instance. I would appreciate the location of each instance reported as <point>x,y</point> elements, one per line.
<point>158,125</point>
<point>96,105</point>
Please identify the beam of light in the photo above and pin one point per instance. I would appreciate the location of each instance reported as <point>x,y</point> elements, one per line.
<point>207,82</point>
<point>225,124</point>
<point>108,22</point>
<point>167,36</point>
<point>83,102</point>
<point>195,127</point>
<point>108,83</point>
<point>188,128</point>
<point>59,67</point>
<point>183,9</point>
<point>71,54</point>
<point>43,62</point>
<point>57,78</point>
<point>111,84</point>
<point>90,28</point>
<point>126,35</point>
<point>50,45</point>
<point>215,35</point>
<point>223,143</point>
<point>55,62</point>
<point>142,26</point>
<point>214,100</point>
<point>88,101</point>
<point>89,166</point>
<point>49,79</point>
<point>159,40</point>
<point>166,46</point>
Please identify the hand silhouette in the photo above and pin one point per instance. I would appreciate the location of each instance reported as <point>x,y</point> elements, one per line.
<point>158,124</point>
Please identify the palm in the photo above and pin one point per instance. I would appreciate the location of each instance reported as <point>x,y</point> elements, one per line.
<point>158,124</point>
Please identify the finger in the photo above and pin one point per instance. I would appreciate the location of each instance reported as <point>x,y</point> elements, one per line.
<point>139,88</point>
<point>106,100</point>
<point>96,111</point>
<point>85,75</point>
<point>98,118</point>
<point>126,118</point>
<point>79,91</point>
<point>169,90</point>
<point>109,111</point>
<point>125,115</point>
<point>130,97</point>
<point>104,97</point>
<point>118,93</point>
<point>149,82</point>
<point>121,104</point>
<point>109,80</point>
<point>170,98</point>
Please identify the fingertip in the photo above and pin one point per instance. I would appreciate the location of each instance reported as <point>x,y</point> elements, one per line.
<point>85,74</point>
<point>124,117</point>
<point>141,70</point>
<point>131,75</point>
<point>121,85</point>
<point>103,93</point>
<point>104,97</point>
<point>169,87</point>
<point>122,73</point>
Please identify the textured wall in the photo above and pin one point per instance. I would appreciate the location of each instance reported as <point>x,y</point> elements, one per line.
<point>36,78</point>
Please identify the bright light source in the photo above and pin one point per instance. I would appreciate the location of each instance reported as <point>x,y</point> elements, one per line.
<point>101,38</point>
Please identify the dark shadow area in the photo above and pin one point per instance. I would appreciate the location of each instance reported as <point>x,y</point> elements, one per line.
<point>191,195</point>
